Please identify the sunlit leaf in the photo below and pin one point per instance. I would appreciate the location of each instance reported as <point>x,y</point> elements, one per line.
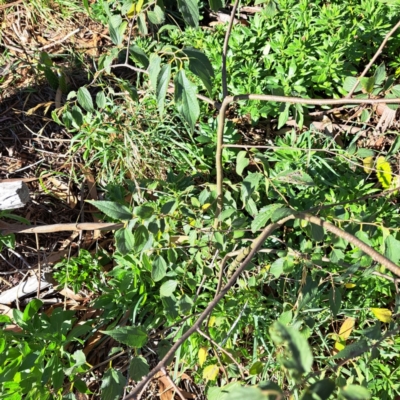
<point>202,355</point>
<point>383,314</point>
<point>210,372</point>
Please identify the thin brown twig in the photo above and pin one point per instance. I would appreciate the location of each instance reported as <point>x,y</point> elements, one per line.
<point>200,332</point>
<point>225,50</point>
<point>376,55</point>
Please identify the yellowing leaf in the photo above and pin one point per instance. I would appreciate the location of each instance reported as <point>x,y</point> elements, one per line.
<point>204,207</point>
<point>131,12</point>
<point>202,355</point>
<point>211,322</point>
<point>368,163</point>
<point>210,372</point>
<point>383,314</point>
<point>344,333</point>
<point>384,172</point>
<point>349,285</point>
<point>346,328</point>
<point>339,346</point>
<point>139,6</point>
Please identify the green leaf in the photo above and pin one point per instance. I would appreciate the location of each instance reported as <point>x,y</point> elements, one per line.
<point>353,350</point>
<point>169,207</point>
<point>368,84</point>
<point>380,74</point>
<point>392,249</point>
<point>112,209</point>
<point>101,99</point>
<point>162,86</point>
<point>201,66</point>
<point>335,300</point>
<point>354,392</point>
<point>140,238</point>
<point>349,82</point>
<point>154,69</point>
<point>299,355</point>
<point>277,267</point>
<point>143,212</point>
<point>115,34</point>
<point>317,232</point>
<point>263,216</point>
<point>31,309</point>
<point>112,385</point>
<point>142,25</point>
<point>185,98</point>
<point>138,368</point>
<point>124,240</point>
<point>159,269</point>
<point>256,368</point>
<point>241,162</point>
<point>139,56</point>
<point>190,12</point>
<point>320,390</point>
<point>283,116</point>
<point>85,99</point>
<point>215,5</point>
<point>52,78</point>
<point>168,288</point>
<point>157,16</point>
<point>281,213</point>
<point>130,335</point>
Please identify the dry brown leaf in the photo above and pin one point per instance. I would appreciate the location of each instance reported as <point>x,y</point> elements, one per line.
<point>62,191</point>
<point>165,389</point>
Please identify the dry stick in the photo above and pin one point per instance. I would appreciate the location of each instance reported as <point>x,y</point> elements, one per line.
<point>6,228</point>
<point>225,50</point>
<point>279,99</point>
<point>200,332</point>
<point>378,52</point>
<point>256,245</point>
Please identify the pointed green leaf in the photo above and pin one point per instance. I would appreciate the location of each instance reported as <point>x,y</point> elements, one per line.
<point>140,238</point>
<point>201,66</point>
<point>215,5</point>
<point>115,34</point>
<point>112,209</point>
<point>162,85</point>
<point>380,74</point>
<point>241,162</point>
<point>124,240</point>
<point>112,385</point>
<point>139,56</point>
<point>335,300</point>
<point>154,69</point>
<point>142,25</point>
<point>156,16</point>
<point>185,98</point>
<point>101,99</point>
<point>132,336</point>
<point>190,12</point>
<point>159,269</point>
<point>299,355</point>
<point>168,288</point>
<point>138,368</point>
<point>85,99</point>
<point>392,250</point>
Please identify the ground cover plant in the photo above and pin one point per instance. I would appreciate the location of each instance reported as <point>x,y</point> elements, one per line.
<point>241,246</point>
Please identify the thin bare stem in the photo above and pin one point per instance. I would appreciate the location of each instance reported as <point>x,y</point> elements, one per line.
<point>378,52</point>
<point>225,50</point>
